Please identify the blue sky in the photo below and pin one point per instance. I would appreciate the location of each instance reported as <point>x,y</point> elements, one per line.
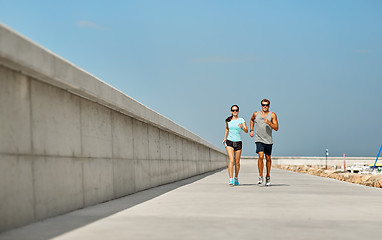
<point>319,62</point>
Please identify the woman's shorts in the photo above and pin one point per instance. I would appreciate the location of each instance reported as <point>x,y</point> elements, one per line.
<point>235,145</point>
<point>262,147</point>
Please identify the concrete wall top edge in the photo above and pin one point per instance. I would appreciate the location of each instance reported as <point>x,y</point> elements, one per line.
<point>22,54</point>
<point>299,157</point>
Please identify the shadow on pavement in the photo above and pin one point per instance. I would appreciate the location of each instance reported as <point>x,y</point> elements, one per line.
<point>255,184</point>
<point>277,185</point>
<point>56,226</point>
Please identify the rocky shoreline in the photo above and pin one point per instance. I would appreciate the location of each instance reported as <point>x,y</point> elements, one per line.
<point>364,179</point>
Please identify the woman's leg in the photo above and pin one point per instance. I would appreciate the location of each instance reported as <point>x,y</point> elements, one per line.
<point>237,162</point>
<point>230,163</point>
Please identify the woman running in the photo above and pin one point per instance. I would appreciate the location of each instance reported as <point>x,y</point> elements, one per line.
<point>232,141</point>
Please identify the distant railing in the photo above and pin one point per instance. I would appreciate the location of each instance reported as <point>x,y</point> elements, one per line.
<point>316,161</point>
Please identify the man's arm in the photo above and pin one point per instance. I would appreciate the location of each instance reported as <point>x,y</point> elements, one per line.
<point>274,124</point>
<point>252,123</point>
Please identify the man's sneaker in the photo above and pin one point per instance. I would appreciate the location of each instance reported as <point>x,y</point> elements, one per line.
<point>236,181</point>
<point>260,180</point>
<point>230,181</point>
<point>267,181</point>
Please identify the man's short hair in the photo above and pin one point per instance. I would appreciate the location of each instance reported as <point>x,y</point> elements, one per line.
<point>265,100</point>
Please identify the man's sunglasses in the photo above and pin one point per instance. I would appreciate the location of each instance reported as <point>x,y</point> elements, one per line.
<point>265,105</point>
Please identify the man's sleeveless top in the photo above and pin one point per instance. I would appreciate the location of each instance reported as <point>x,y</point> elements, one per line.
<point>263,130</point>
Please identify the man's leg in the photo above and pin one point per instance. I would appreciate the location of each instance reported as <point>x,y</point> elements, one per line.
<point>260,163</point>
<point>269,164</point>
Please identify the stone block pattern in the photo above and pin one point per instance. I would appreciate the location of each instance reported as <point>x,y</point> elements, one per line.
<point>69,140</point>
<point>60,151</point>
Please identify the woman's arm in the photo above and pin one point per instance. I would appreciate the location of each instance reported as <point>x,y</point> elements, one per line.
<point>225,133</point>
<point>245,129</point>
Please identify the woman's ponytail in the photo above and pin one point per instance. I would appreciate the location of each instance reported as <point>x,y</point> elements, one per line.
<point>230,117</point>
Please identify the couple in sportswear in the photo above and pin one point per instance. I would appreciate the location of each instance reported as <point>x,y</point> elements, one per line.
<point>265,121</point>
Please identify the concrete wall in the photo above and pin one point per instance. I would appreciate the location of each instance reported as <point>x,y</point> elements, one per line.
<point>318,161</point>
<point>69,140</point>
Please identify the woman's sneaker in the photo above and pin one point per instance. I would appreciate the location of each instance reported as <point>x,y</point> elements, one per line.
<point>260,180</point>
<point>230,181</point>
<point>267,181</point>
<point>236,181</point>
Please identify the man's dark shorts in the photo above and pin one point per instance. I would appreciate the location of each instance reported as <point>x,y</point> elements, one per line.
<point>236,145</point>
<point>262,147</point>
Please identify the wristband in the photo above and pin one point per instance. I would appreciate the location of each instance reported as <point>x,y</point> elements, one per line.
<point>251,131</point>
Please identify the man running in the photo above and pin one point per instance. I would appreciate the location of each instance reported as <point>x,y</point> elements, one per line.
<point>265,122</point>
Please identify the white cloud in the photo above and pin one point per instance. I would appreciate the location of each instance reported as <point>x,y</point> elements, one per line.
<point>89,24</point>
<point>363,51</point>
<point>222,59</point>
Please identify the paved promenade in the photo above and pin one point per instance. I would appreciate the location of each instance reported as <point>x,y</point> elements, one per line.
<point>296,206</point>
